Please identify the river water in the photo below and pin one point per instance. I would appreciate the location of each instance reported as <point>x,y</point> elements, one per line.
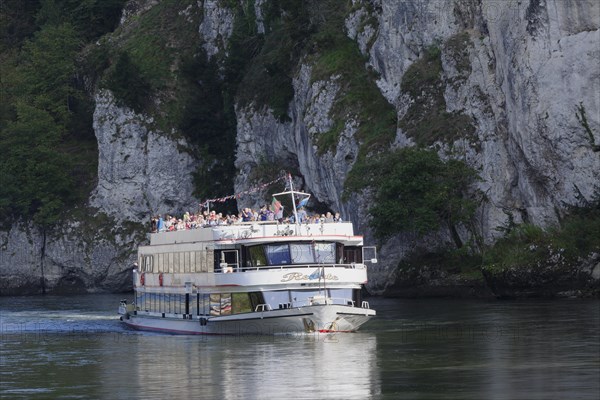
<point>74,347</point>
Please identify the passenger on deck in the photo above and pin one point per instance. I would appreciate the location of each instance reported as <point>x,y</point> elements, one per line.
<point>262,214</point>
<point>212,218</point>
<point>279,214</point>
<point>301,215</point>
<point>246,215</point>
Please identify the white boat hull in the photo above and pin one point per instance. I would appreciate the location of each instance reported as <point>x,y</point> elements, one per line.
<point>310,319</point>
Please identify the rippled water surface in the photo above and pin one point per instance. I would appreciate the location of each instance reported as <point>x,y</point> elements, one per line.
<point>75,347</point>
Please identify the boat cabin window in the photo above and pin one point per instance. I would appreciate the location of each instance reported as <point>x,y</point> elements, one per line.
<point>231,303</point>
<point>215,304</point>
<point>352,254</point>
<point>275,298</point>
<point>324,252</point>
<point>240,303</point>
<point>291,253</point>
<point>226,260</point>
<point>302,253</point>
<point>178,262</point>
<point>147,263</point>
<point>302,298</point>
<point>278,254</point>
<point>257,256</point>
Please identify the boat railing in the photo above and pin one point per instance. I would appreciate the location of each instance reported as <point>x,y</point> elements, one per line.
<point>262,308</point>
<point>307,266</point>
<point>312,302</point>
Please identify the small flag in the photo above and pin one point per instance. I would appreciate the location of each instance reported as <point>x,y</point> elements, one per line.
<point>275,205</point>
<point>302,202</point>
<point>315,275</point>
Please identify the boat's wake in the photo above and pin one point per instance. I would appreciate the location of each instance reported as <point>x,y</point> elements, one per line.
<point>44,322</point>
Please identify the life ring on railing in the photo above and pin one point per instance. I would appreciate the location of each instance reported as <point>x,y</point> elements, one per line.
<point>160,279</point>
<point>142,279</point>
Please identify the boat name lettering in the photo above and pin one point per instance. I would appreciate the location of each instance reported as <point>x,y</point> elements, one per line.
<point>297,276</point>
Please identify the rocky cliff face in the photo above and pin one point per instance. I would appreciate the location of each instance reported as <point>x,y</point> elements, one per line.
<point>141,170</point>
<point>524,72</point>
<point>73,258</point>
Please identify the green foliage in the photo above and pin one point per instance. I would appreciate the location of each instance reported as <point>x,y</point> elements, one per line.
<point>461,261</point>
<point>582,118</point>
<point>160,60</point>
<point>524,245</point>
<point>17,22</point>
<point>128,85</point>
<point>268,78</point>
<point>145,57</point>
<point>35,177</point>
<point>245,43</point>
<point>427,120</point>
<point>264,65</point>
<point>49,65</point>
<point>49,151</point>
<point>527,245</point>
<point>579,233</point>
<point>208,120</point>
<point>156,43</point>
<point>91,18</point>
<point>457,48</point>
<point>360,98</point>
<point>417,191</point>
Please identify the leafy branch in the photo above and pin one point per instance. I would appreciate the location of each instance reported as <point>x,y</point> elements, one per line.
<point>581,117</point>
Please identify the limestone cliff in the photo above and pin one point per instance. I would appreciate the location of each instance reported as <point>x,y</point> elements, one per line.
<point>141,171</point>
<point>521,70</point>
<point>523,75</point>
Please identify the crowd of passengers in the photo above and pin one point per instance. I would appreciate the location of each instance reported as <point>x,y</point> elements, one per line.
<point>212,218</point>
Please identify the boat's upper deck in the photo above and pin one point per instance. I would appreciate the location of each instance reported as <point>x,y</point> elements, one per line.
<point>254,232</point>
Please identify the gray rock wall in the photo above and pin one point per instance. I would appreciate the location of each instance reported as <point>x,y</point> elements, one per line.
<point>141,170</point>
<point>529,66</point>
<point>527,70</point>
<point>69,259</point>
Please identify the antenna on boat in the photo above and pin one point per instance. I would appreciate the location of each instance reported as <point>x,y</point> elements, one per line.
<point>292,192</point>
<point>293,201</point>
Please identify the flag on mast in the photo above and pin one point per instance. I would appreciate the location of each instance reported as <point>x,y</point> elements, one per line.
<point>302,203</point>
<point>275,205</point>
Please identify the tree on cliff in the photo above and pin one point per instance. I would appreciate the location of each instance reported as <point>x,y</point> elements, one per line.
<point>416,191</point>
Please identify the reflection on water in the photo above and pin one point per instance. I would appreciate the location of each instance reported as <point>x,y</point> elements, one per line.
<point>158,366</point>
<point>256,367</point>
<point>75,347</point>
<point>83,352</point>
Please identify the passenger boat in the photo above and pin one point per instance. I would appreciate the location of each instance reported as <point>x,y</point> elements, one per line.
<point>252,278</point>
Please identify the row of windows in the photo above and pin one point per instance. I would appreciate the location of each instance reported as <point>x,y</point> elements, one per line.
<point>254,256</point>
<point>181,262</point>
<point>218,304</point>
<point>214,304</point>
<point>300,298</point>
<point>292,253</point>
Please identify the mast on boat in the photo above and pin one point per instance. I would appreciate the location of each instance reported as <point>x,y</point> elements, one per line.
<point>292,192</point>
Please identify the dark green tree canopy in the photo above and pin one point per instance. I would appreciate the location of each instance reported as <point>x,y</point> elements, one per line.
<point>49,151</point>
<point>417,191</point>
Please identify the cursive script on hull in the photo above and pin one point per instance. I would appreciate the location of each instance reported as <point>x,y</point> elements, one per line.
<point>297,276</point>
